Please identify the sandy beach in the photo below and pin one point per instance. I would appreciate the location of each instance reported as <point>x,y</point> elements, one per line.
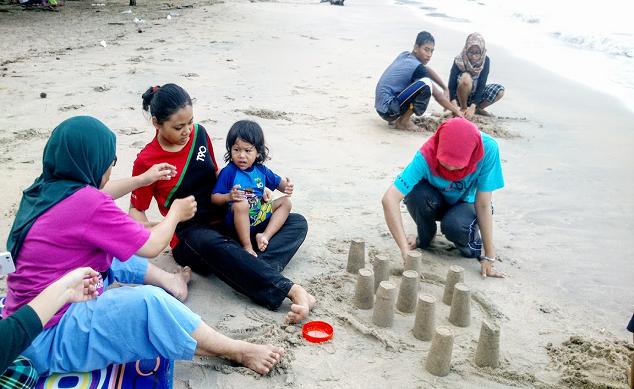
<point>306,72</point>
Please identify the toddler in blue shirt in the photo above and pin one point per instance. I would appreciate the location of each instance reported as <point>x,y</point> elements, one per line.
<point>241,185</point>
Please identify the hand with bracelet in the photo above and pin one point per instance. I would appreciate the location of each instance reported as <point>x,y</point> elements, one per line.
<point>486,267</point>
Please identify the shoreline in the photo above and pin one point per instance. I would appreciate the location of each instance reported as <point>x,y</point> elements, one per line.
<point>566,60</point>
<point>309,77</point>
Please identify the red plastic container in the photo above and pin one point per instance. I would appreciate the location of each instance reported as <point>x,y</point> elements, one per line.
<point>317,331</point>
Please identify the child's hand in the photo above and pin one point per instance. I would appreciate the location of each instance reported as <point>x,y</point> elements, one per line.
<point>288,186</point>
<point>267,195</point>
<point>160,171</point>
<point>236,194</point>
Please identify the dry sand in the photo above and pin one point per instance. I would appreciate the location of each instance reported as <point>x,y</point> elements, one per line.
<point>306,71</point>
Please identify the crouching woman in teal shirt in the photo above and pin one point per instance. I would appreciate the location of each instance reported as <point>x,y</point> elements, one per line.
<point>450,180</point>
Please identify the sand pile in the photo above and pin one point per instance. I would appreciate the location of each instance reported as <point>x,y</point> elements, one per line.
<point>498,127</point>
<point>593,364</point>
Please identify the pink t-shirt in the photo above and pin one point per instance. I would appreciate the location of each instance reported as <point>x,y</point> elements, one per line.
<point>85,229</point>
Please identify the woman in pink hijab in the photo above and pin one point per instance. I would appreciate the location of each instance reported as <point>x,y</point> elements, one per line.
<point>468,86</point>
<point>450,179</point>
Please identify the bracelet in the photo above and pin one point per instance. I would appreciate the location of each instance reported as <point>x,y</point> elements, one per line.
<point>485,258</point>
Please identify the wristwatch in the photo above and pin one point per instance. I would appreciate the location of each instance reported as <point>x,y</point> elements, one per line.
<point>485,258</point>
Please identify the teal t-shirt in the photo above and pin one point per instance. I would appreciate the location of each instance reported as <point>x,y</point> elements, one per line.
<point>486,178</point>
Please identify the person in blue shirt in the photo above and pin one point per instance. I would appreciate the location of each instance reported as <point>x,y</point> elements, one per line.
<point>241,185</point>
<point>450,179</point>
<point>407,84</point>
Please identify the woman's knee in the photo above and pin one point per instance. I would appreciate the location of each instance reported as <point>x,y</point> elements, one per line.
<point>459,223</point>
<point>454,230</point>
<point>499,96</point>
<point>145,295</point>
<point>297,221</point>
<point>424,200</point>
<point>465,81</point>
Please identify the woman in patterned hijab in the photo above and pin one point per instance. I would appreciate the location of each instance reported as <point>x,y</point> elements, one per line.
<point>468,60</point>
<point>468,86</point>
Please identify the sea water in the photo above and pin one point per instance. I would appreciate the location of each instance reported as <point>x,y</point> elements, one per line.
<point>587,41</point>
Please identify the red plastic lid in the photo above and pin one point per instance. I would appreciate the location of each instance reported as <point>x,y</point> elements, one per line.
<point>317,331</point>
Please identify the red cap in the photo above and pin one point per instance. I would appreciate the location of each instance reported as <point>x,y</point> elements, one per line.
<point>317,331</point>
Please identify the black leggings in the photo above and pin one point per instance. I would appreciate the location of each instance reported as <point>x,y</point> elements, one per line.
<point>209,249</point>
<point>458,221</point>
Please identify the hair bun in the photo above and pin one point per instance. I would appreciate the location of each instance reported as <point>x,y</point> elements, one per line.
<point>148,95</point>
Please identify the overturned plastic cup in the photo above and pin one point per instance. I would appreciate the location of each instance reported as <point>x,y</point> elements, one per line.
<point>317,331</point>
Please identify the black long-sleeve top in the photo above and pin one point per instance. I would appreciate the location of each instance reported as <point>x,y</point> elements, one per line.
<point>17,332</point>
<point>481,83</point>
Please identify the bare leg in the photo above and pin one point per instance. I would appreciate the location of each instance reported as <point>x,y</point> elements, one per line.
<point>281,209</point>
<point>485,103</point>
<point>404,121</point>
<point>242,223</point>
<point>173,283</point>
<point>257,357</point>
<point>303,302</point>
<point>465,86</point>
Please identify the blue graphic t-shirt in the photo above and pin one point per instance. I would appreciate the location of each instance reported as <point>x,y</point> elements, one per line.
<point>486,178</point>
<point>253,181</point>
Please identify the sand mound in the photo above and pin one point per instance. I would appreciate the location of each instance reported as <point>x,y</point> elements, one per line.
<point>592,364</point>
<point>266,114</point>
<point>496,127</point>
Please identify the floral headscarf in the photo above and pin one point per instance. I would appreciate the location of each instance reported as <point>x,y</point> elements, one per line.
<point>462,60</point>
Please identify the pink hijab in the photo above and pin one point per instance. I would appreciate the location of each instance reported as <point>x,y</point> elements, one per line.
<point>457,142</point>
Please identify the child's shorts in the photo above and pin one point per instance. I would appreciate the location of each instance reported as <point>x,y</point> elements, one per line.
<point>258,213</point>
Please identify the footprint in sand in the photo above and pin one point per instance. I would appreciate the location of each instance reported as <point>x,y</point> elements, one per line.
<point>136,59</point>
<point>130,131</point>
<point>72,107</point>
<point>101,88</point>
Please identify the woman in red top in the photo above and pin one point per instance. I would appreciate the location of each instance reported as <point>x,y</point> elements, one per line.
<point>202,243</point>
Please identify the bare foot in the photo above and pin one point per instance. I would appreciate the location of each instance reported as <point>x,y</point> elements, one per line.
<point>303,302</point>
<point>250,251</point>
<point>482,112</point>
<point>262,241</point>
<point>258,357</point>
<point>408,126</point>
<point>177,286</point>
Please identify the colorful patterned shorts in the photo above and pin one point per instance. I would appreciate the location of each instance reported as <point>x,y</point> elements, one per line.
<point>19,375</point>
